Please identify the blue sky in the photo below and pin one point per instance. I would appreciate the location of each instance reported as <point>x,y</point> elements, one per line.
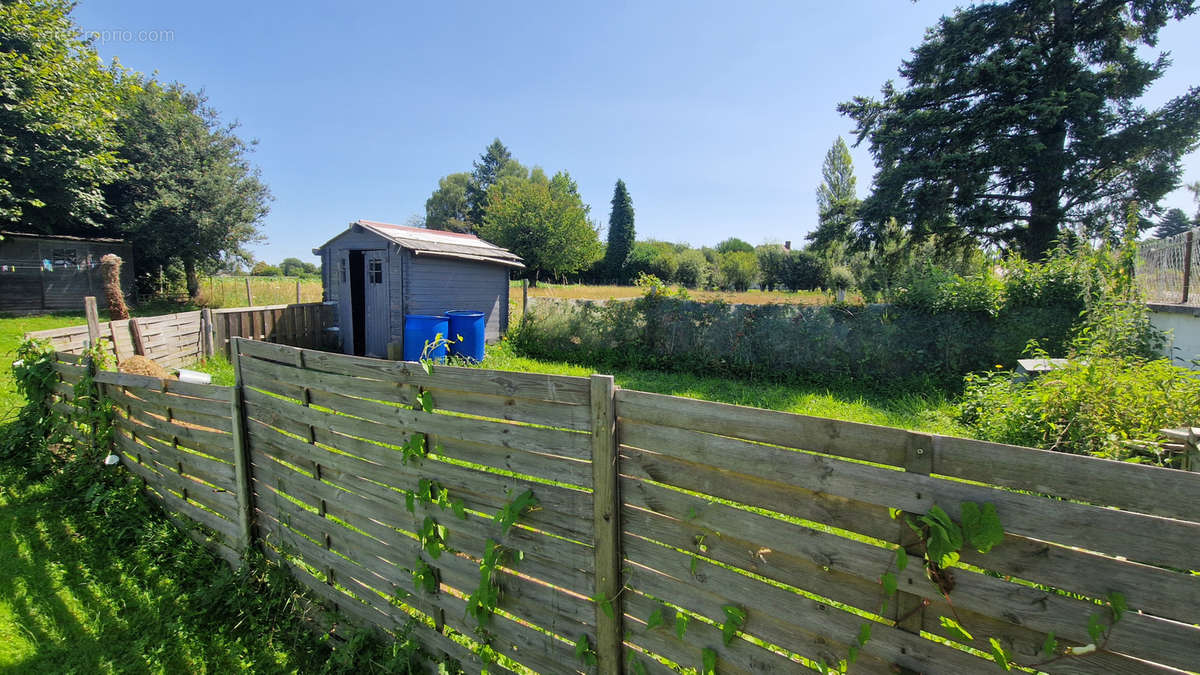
<point>717,115</point>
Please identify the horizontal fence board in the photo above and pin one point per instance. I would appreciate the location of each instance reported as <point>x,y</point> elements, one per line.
<point>346,573</point>
<point>1134,487</point>
<point>1140,537</point>
<point>869,519</point>
<point>822,563</point>
<point>214,472</point>
<point>216,499</point>
<point>175,503</point>
<point>781,616</point>
<point>868,442</point>
<point>382,422</point>
<point>210,407</point>
<point>142,382</point>
<point>368,499</point>
<point>561,388</point>
<point>211,442</point>
<point>531,411</point>
<point>214,392</point>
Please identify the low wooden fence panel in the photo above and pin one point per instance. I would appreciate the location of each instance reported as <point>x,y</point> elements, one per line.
<point>702,512</point>
<point>183,338</point>
<point>299,325</point>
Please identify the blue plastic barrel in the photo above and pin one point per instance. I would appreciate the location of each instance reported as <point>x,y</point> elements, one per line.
<point>472,327</point>
<point>421,329</point>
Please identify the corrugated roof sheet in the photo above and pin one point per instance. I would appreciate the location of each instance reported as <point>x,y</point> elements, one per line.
<point>439,243</point>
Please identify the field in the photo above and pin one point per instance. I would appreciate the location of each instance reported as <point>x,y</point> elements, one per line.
<point>218,292</point>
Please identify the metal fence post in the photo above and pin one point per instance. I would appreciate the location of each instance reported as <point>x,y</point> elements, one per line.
<point>606,510</point>
<point>241,459</point>
<point>1187,264</point>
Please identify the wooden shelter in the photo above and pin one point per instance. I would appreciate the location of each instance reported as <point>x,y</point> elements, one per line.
<point>44,272</point>
<point>378,272</point>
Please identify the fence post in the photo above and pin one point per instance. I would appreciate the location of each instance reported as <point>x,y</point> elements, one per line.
<point>241,459</point>
<point>1187,264</point>
<point>524,298</point>
<point>139,344</point>
<point>297,291</point>
<point>93,319</point>
<point>206,333</point>
<point>249,295</point>
<point>909,608</point>
<point>606,510</point>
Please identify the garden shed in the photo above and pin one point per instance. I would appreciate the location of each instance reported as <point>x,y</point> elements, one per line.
<point>41,272</point>
<point>378,272</point>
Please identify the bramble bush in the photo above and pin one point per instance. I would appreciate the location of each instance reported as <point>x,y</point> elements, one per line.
<point>1091,407</point>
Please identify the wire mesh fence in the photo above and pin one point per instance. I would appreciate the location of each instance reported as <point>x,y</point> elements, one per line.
<point>1167,269</point>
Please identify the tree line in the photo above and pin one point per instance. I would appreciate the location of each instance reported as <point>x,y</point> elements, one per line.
<point>93,150</point>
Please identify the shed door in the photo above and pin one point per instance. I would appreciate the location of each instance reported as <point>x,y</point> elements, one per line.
<point>377,306</point>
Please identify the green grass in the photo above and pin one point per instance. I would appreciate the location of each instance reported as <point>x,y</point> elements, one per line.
<point>928,410</point>
<point>93,578</point>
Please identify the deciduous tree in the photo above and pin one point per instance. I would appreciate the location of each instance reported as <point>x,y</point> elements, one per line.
<point>546,223</point>
<point>1020,119</point>
<point>57,106</point>
<point>447,208</point>
<point>189,193</point>
<point>495,163</point>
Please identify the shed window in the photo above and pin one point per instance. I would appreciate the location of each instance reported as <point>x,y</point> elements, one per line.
<point>375,270</point>
<point>65,256</point>
<point>342,269</point>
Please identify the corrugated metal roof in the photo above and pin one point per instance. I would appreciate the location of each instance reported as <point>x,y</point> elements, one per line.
<point>437,243</point>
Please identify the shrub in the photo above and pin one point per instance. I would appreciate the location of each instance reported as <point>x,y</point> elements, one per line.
<point>738,270</point>
<point>1089,407</point>
<point>693,270</point>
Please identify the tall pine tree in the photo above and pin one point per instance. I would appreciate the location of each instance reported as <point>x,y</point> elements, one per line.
<point>837,200</point>
<point>1173,222</point>
<point>1020,120</point>
<point>495,163</point>
<point>620,233</point>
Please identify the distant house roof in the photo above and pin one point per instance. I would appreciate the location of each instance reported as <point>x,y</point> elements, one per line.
<point>437,243</point>
<point>64,237</point>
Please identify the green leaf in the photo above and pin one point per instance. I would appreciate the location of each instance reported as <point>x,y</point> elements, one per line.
<point>889,583</point>
<point>735,618</point>
<point>1049,645</point>
<point>656,619</point>
<point>981,526</point>
<point>1117,602</point>
<point>1003,658</point>
<point>1095,627</point>
<point>459,509</point>
<point>426,399</point>
<point>901,559</point>
<point>955,629</point>
<point>852,655</point>
<point>709,660</point>
<point>409,503</point>
<point>681,624</point>
<point>864,634</point>
<point>605,605</point>
<point>427,366</point>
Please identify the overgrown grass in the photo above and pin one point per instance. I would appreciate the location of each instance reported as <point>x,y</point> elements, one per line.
<point>928,409</point>
<point>219,292</point>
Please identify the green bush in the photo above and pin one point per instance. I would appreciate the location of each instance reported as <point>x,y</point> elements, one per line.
<point>1089,407</point>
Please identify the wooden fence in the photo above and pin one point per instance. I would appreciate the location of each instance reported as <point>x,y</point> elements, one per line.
<point>658,519</point>
<point>180,339</point>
